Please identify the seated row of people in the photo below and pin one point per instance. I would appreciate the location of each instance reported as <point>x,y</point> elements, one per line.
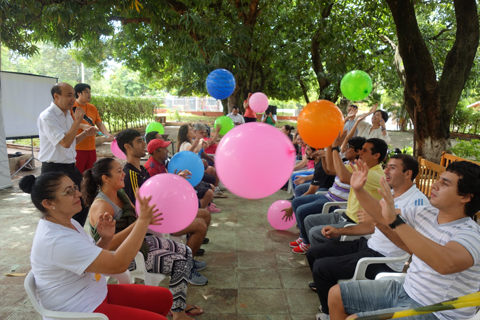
<point>444,227</point>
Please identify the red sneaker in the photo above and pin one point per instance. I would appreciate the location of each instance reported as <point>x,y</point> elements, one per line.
<point>301,249</point>
<point>295,243</point>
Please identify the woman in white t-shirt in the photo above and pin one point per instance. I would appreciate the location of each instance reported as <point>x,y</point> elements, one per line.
<point>68,264</point>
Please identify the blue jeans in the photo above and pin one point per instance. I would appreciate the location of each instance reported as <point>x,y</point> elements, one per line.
<point>305,206</point>
<point>301,189</point>
<point>366,297</point>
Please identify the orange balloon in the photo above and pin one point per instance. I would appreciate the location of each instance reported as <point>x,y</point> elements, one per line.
<point>319,123</point>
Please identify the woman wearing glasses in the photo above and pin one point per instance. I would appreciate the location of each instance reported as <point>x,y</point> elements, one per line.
<point>68,264</point>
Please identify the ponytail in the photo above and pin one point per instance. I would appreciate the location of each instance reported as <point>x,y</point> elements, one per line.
<point>92,179</point>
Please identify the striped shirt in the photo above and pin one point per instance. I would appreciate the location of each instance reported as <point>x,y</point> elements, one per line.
<point>380,243</point>
<point>339,191</point>
<point>425,285</point>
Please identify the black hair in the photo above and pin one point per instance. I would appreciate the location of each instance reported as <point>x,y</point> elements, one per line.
<point>92,179</point>
<point>468,184</point>
<point>126,136</point>
<point>182,135</point>
<point>409,163</point>
<point>379,146</point>
<point>357,143</point>
<point>235,107</point>
<point>289,128</point>
<point>247,93</point>
<point>41,188</point>
<point>384,115</point>
<point>56,89</point>
<point>80,87</point>
<point>354,105</point>
<point>313,149</point>
<point>150,136</point>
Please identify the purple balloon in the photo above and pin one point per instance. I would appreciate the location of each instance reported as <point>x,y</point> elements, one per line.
<point>174,197</point>
<point>275,215</point>
<point>117,153</point>
<point>254,160</point>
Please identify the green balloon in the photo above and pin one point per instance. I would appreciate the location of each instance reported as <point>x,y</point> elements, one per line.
<point>155,126</point>
<point>226,123</point>
<point>356,85</point>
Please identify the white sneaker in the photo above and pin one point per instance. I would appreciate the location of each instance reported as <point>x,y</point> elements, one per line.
<point>322,316</point>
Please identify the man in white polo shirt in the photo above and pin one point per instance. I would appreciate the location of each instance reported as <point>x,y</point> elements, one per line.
<point>443,240</point>
<point>58,136</point>
<point>334,261</point>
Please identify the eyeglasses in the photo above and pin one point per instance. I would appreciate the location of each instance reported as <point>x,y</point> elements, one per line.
<point>350,146</point>
<point>70,192</point>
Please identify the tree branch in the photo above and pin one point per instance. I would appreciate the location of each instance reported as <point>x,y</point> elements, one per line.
<point>441,32</point>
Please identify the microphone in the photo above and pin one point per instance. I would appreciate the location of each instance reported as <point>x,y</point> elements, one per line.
<point>85,117</point>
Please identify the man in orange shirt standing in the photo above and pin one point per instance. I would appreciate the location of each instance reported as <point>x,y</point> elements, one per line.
<point>86,152</point>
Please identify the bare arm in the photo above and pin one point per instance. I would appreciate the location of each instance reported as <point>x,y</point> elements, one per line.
<point>118,261</point>
<point>327,163</point>
<point>301,164</point>
<point>445,259</point>
<point>311,190</point>
<point>350,134</point>
<point>357,230</point>
<point>104,130</point>
<point>195,146</point>
<point>340,169</point>
<point>215,135</point>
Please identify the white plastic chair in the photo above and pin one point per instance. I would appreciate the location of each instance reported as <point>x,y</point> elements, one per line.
<point>327,205</point>
<point>363,263</point>
<point>352,237</point>
<point>140,272</point>
<point>31,289</point>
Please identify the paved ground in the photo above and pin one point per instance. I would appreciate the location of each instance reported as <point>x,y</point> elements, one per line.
<point>251,270</point>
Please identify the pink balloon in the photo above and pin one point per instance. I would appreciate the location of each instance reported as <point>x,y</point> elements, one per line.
<point>254,160</point>
<point>275,215</point>
<point>258,102</point>
<point>174,197</point>
<point>116,151</point>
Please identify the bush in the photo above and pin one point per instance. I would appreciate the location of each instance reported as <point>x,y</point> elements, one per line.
<point>119,113</point>
<point>467,149</point>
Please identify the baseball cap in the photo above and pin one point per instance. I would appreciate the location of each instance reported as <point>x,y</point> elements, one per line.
<point>157,143</point>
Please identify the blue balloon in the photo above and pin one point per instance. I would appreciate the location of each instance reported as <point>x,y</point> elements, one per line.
<point>220,84</point>
<point>190,161</point>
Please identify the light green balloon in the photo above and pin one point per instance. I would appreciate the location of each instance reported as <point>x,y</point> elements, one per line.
<point>155,126</point>
<point>226,123</point>
<point>356,85</point>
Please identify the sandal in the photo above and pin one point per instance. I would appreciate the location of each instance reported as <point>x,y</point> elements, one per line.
<point>189,311</point>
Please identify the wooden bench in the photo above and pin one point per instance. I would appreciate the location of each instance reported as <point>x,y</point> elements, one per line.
<point>428,173</point>
<point>449,158</point>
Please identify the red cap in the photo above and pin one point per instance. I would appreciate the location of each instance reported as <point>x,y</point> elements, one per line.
<point>157,143</point>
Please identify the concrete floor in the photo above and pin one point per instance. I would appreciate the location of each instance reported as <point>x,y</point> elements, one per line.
<point>251,270</point>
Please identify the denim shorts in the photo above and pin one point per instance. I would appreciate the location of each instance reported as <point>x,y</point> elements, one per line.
<point>367,297</point>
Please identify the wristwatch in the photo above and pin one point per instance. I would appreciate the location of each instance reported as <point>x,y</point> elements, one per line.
<point>336,148</point>
<point>398,221</point>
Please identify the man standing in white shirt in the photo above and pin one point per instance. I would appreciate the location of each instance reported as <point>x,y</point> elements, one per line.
<point>331,262</point>
<point>58,136</point>
<point>237,118</point>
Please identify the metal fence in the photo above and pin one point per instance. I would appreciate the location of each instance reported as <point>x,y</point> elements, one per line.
<point>193,104</point>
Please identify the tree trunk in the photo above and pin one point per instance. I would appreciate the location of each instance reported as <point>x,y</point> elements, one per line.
<point>304,89</point>
<point>425,99</point>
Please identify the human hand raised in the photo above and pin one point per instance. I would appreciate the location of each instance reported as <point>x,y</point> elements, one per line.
<point>105,226</point>
<point>330,232</point>
<point>218,127</point>
<point>339,139</point>
<point>388,205</point>
<point>146,211</point>
<point>91,131</point>
<point>373,108</point>
<point>359,175</point>
<point>352,113</point>
<point>288,214</point>
<point>78,114</point>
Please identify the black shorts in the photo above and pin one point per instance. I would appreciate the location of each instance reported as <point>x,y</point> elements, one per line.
<point>201,189</point>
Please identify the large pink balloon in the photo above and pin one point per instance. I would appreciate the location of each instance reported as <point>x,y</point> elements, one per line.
<point>254,160</point>
<point>258,102</point>
<point>174,197</point>
<point>116,151</point>
<point>275,215</point>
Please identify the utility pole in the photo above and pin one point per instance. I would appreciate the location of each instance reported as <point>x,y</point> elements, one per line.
<point>83,74</point>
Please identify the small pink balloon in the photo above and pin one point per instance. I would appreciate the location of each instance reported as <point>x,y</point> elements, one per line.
<point>254,160</point>
<point>275,215</point>
<point>117,153</point>
<point>258,102</point>
<point>174,197</point>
